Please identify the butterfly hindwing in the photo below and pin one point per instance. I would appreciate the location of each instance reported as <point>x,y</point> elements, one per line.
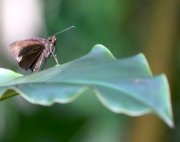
<point>35,66</point>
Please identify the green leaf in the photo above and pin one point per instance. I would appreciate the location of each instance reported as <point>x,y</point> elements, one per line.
<point>123,85</point>
<point>5,76</point>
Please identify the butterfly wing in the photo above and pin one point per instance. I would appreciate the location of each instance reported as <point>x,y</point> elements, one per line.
<point>29,58</point>
<point>26,52</point>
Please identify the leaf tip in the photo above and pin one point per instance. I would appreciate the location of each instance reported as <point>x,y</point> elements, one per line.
<point>99,48</point>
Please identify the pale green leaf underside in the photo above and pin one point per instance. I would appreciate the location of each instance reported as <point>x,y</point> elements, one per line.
<point>122,85</point>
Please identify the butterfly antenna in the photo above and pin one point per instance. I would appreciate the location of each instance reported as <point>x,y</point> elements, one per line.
<point>72,27</point>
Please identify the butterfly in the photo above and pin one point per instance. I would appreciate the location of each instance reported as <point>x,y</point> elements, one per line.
<point>32,53</point>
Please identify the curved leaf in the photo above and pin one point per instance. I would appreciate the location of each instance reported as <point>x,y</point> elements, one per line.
<point>123,85</point>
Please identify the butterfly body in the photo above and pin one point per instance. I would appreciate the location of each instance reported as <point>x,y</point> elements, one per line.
<point>31,53</point>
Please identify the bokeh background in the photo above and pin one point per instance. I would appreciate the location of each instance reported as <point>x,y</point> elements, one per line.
<point>126,27</point>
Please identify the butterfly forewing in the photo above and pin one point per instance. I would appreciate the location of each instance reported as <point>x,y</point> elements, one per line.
<point>26,52</point>
<point>19,48</point>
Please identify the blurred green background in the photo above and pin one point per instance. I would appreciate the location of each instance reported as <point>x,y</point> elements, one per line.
<point>126,27</point>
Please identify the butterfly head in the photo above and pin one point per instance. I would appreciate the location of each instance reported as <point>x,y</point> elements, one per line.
<point>52,40</point>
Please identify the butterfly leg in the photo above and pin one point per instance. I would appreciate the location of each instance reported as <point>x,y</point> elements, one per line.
<point>55,58</point>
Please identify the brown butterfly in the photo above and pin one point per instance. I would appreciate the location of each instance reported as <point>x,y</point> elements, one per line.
<point>31,53</point>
